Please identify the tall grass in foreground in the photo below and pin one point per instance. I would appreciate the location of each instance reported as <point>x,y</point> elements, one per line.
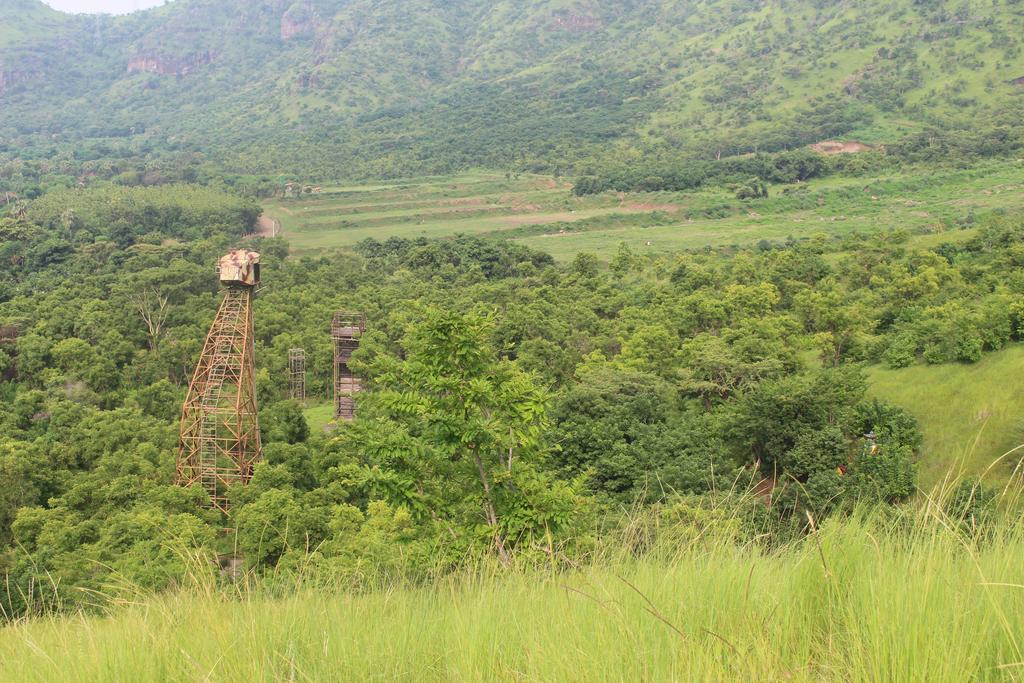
<point>867,598</point>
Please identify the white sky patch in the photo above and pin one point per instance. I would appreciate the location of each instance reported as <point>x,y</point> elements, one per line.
<point>102,6</point>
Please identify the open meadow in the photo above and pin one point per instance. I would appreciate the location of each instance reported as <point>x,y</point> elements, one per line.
<point>541,212</point>
<point>970,415</point>
<point>858,600</point>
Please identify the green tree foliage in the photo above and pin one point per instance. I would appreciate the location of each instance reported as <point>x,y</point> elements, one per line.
<point>122,214</point>
<point>481,422</point>
<point>627,432</point>
<point>284,422</point>
<point>511,402</point>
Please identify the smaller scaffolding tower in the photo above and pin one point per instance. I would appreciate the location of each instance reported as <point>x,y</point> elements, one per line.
<point>346,331</point>
<point>297,374</point>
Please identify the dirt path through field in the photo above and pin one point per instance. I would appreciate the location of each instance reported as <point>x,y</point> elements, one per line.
<point>267,226</point>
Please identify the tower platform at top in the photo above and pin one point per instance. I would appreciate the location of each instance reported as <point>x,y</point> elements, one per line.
<point>240,267</point>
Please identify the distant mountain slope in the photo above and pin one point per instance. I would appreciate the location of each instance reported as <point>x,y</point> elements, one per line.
<point>28,21</point>
<point>371,87</point>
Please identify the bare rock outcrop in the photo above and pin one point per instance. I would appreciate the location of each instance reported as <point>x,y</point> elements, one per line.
<point>170,66</point>
<point>571,22</point>
<point>11,77</point>
<point>299,20</point>
<point>840,147</point>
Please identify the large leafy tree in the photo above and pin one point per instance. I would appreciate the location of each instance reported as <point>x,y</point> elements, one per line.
<point>478,421</point>
<point>624,431</point>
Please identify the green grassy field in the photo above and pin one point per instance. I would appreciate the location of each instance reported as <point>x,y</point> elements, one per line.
<point>858,601</point>
<point>970,414</point>
<point>539,211</point>
<point>318,417</point>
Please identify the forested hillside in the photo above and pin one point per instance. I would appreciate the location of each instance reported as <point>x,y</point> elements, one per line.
<point>341,88</point>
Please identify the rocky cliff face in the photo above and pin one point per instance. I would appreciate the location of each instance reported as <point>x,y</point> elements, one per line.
<point>24,73</point>
<point>575,23</point>
<point>299,20</point>
<point>307,81</point>
<point>170,66</point>
<point>292,27</point>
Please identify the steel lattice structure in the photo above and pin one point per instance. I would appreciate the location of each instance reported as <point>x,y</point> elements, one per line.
<point>297,374</point>
<point>220,434</point>
<point>346,331</point>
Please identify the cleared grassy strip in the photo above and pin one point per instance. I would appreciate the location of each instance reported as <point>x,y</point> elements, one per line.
<point>506,206</point>
<point>517,195</point>
<point>334,210</point>
<point>921,202</point>
<point>303,241</point>
<point>739,230</point>
<point>373,217</point>
<point>444,189</point>
<point>970,414</point>
<point>462,178</point>
<point>506,202</point>
<point>777,218</point>
<point>859,601</point>
<point>409,193</point>
<point>410,203</point>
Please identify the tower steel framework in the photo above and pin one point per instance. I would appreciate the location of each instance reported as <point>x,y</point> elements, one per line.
<point>346,331</point>
<point>220,434</point>
<point>297,374</point>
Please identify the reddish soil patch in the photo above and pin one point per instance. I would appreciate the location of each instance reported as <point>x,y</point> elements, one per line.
<point>667,208</point>
<point>540,219</point>
<point>266,226</point>
<point>566,216</point>
<point>462,201</point>
<point>765,488</point>
<point>574,23</point>
<point>839,147</point>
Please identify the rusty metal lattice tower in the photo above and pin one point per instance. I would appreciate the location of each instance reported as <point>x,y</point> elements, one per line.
<point>297,374</point>
<point>346,331</point>
<point>220,434</point>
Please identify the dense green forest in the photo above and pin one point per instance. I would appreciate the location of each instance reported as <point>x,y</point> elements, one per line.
<point>329,89</point>
<point>515,407</point>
